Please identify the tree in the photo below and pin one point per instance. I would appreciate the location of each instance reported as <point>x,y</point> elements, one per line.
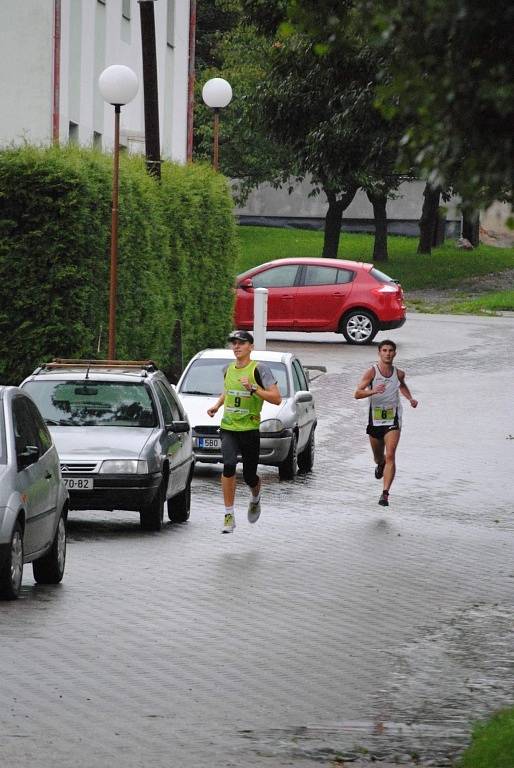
<point>299,114</point>
<point>213,20</point>
<point>237,52</point>
<point>449,77</point>
<point>322,108</point>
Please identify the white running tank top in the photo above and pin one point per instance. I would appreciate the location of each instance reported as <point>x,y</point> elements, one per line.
<point>385,409</point>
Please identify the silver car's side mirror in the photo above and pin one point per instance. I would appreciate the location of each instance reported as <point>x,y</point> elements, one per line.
<point>303,397</point>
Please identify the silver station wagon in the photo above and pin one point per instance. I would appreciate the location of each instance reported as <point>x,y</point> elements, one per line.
<point>33,499</point>
<point>122,435</point>
<point>287,430</point>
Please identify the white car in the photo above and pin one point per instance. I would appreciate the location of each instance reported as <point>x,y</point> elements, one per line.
<point>287,430</point>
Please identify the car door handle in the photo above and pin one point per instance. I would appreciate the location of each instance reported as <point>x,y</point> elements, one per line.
<point>48,476</point>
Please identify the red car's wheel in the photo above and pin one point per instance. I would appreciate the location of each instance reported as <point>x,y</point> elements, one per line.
<point>359,327</point>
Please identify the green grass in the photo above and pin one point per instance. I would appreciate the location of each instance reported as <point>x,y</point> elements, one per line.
<point>492,744</point>
<point>490,302</point>
<point>446,267</point>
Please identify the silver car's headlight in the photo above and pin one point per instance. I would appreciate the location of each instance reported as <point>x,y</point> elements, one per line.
<point>271,425</point>
<point>124,467</point>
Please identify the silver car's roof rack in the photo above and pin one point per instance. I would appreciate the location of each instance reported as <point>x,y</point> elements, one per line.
<point>62,363</point>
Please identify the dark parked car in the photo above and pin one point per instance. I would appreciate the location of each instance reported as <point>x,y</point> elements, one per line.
<point>347,297</point>
<point>33,499</point>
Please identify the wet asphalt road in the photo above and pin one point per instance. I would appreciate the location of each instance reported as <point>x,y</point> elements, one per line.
<point>332,631</point>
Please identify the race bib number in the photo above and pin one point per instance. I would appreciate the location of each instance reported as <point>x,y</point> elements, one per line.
<point>383,417</point>
<point>235,401</point>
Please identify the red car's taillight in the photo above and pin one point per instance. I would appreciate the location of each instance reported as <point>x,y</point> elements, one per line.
<point>391,294</point>
<point>385,288</point>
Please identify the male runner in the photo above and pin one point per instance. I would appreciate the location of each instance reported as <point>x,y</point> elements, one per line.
<point>382,383</point>
<point>247,384</point>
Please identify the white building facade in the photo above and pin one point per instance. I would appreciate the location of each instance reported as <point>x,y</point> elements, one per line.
<point>52,53</point>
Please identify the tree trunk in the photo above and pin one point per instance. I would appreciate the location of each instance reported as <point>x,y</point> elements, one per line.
<point>333,221</point>
<point>428,221</point>
<point>440,228</point>
<point>379,201</point>
<point>471,227</point>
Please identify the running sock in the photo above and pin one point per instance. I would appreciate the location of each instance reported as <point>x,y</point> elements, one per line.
<point>256,499</point>
<point>229,510</point>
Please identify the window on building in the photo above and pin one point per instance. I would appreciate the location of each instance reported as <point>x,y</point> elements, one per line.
<point>125,9</point>
<point>97,140</point>
<point>170,24</point>
<point>73,133</point>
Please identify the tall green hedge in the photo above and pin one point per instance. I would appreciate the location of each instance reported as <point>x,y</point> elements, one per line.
<point>176,258</point>
<point>198,211</point>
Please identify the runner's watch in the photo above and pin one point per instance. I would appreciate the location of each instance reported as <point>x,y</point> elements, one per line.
<point>254,388</point>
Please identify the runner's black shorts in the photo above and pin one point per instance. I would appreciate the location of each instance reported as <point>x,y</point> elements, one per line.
<point>380,432</point>
<point>245,445</point>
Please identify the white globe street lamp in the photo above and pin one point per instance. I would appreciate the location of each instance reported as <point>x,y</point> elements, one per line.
<point>216,93</point>
<point>118,85</point>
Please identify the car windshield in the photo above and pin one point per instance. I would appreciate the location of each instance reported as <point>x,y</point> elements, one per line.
<point>205,377</point>
<point>89,403</point>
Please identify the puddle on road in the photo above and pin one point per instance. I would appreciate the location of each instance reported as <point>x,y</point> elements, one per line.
<point>442,683</point>
<point>351,741</point>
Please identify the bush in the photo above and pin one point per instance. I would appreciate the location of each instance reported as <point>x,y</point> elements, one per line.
<point>176,255</point>
<point>203,249</point>
<point>53,239</point>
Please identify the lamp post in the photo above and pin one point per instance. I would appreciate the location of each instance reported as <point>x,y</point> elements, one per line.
<point>118,85</point>
<point>216,93</point>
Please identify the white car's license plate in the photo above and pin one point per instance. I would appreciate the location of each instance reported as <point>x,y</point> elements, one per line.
<point>209,442</point>
<point>78,483</point>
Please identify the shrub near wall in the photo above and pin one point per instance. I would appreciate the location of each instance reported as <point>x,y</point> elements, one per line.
<point>145,312</point>
<point>203,249</point>
<point>176,257</point>
<point>53,239</point>
<point>55,221</point>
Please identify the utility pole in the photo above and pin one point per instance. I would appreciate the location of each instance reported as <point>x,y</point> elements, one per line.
<point>150,88</point>
<point>191,79</point>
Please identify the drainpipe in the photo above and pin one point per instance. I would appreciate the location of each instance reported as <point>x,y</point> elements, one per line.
<point>191,78</point>
<point>56,74</point>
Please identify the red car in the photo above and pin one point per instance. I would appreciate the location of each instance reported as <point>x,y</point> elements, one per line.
<point>347,297</point>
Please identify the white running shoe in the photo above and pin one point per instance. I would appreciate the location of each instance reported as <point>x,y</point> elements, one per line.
<point>229,523</point>
<point>254,511</point>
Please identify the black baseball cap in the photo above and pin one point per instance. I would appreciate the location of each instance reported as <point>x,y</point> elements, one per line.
<point>241,336</point>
